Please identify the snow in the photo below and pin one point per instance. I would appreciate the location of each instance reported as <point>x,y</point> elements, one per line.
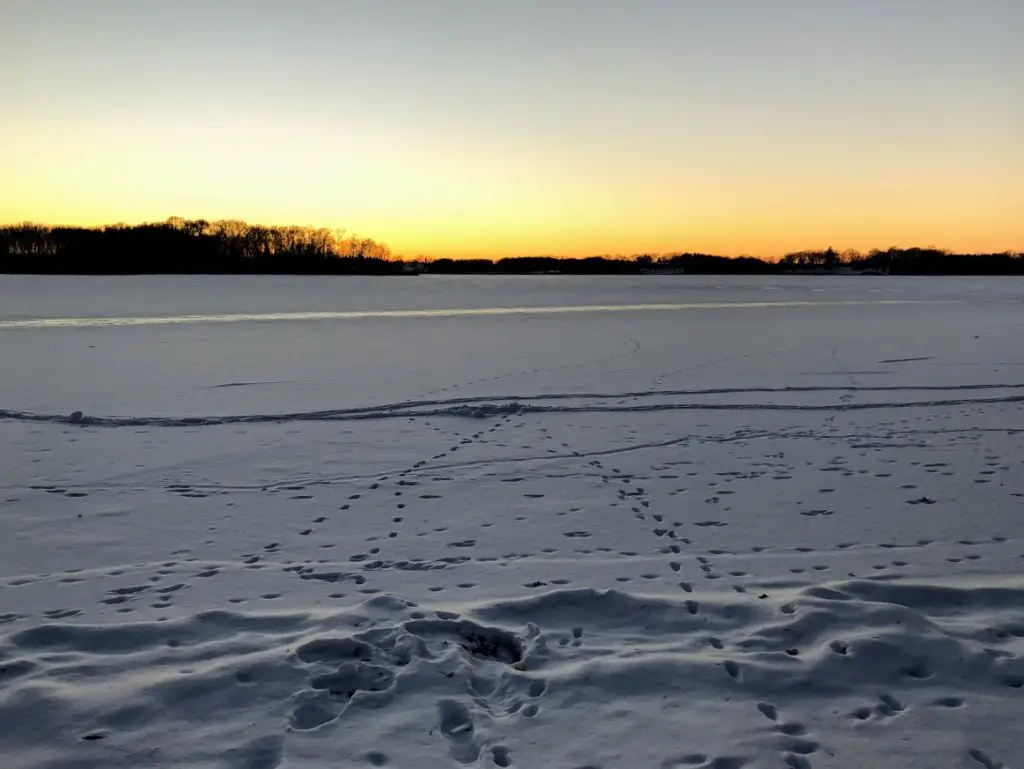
<point>781,530</point>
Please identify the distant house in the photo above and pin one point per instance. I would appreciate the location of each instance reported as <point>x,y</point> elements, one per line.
<point>663,269</point>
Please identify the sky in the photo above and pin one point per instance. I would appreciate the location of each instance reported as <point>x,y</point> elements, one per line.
<point>505,127</point>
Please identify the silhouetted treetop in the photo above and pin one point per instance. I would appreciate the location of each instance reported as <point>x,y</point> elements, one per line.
<point>232,246</point>
<point>189,246</point>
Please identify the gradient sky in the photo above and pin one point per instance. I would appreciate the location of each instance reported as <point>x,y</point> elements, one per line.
<point>496,127</point>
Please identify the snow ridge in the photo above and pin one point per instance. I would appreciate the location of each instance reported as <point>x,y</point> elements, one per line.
<point>468,679</point>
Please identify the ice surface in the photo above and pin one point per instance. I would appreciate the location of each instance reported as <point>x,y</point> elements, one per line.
<point>780,530</point>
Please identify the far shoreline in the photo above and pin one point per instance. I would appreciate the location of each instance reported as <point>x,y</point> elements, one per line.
<point>230,247</point>
<point>569,272</point>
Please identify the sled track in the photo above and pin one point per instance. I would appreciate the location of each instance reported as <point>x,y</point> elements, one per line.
<point>483,407</point>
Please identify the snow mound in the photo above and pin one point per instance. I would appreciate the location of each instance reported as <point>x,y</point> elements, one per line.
<point>501,683</point>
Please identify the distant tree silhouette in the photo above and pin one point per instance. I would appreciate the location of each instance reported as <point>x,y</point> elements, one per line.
<point>189,246</point>
<point>709,264</point>
<point>231,246</point>
<point>905,261</point>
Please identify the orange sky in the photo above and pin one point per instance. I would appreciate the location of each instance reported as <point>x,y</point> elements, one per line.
<point>533,129</point>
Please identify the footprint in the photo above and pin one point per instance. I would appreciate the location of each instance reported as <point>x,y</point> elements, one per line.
<point>918,671</point>
<point>984,760</point>
<point>457,727</point>
<point>889,706</point>
<point>690,759</point>
<point>768,710</point>
<point>792,729</point>
<point>802,747</point>
<point>312,715</point>
<point>793,761</point>
<point>501,756</point>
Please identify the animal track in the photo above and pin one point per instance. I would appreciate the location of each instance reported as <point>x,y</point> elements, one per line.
<point>887,707</point>
<point>983,759</point>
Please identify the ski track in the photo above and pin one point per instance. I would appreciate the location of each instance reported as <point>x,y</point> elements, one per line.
<point>482,407</point>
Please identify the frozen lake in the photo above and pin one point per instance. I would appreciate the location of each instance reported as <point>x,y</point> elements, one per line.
<point>531,522</point>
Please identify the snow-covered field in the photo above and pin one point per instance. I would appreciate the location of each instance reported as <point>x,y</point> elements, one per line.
<point>339,522</point>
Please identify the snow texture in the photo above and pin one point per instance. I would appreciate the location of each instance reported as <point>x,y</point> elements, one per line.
<point>743,524</point>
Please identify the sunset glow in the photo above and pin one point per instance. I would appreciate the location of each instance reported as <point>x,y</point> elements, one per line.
<point>568,127</point>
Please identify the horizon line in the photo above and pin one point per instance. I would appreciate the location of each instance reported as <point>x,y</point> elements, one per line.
<point>410,255</point>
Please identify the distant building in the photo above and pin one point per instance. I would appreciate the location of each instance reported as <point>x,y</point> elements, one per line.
<point>663,269</point>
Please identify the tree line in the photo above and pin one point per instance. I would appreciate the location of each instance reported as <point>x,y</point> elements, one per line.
<point>189,246</point>
<point>196,246</point>
<point>905,261</point>
<point>892,261</point>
